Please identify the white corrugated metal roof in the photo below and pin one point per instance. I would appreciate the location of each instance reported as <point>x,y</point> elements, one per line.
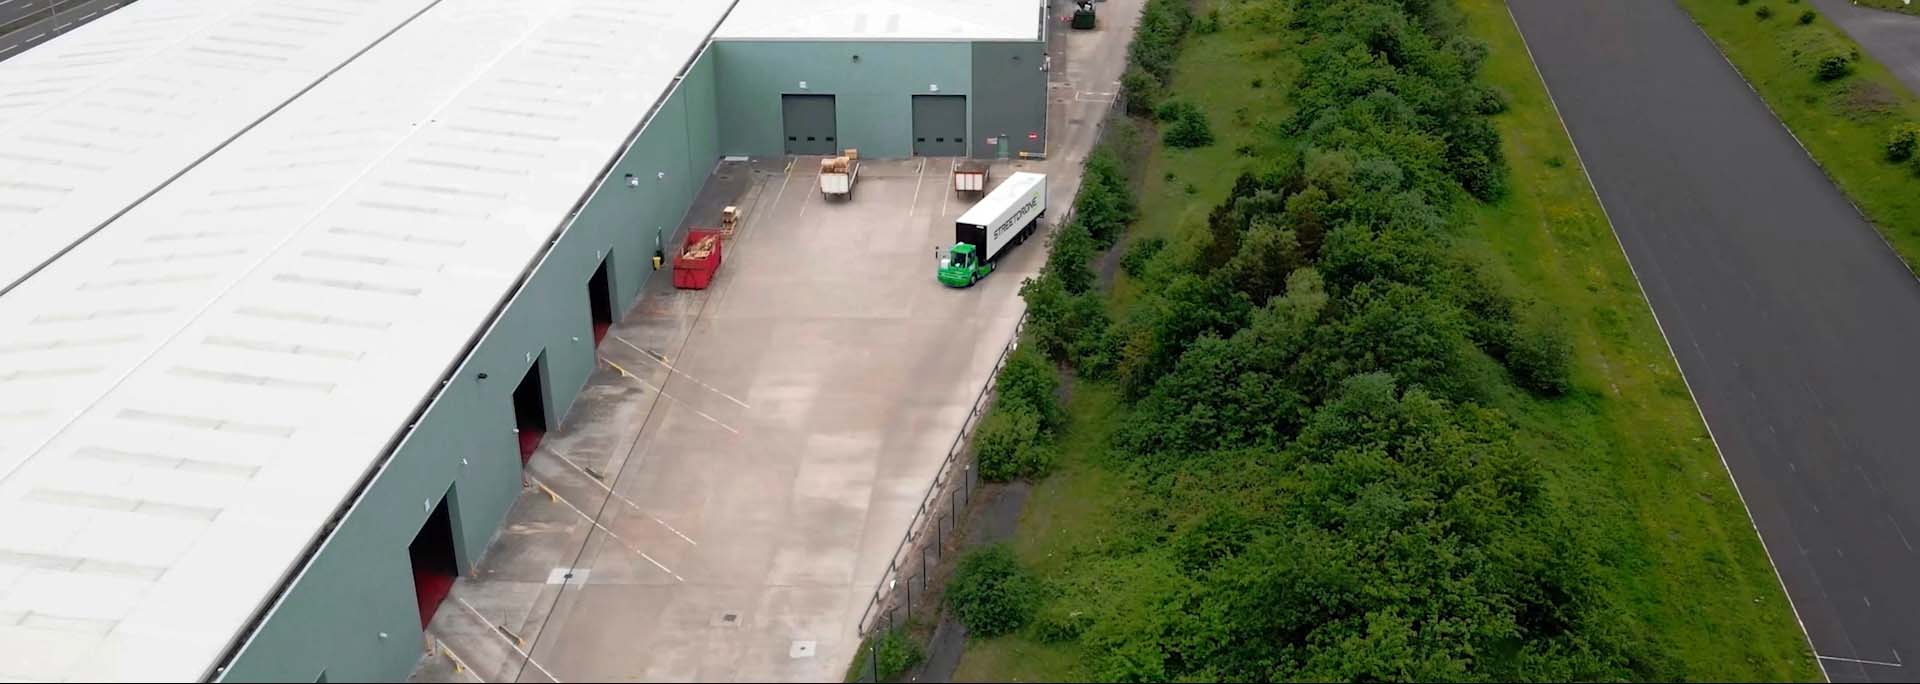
<point>187,396</point>
<point>925,20</point>
<point>94,120</point>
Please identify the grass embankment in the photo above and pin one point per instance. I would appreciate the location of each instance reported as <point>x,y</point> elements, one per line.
<point>1624,448</point>
<point>1844,122</point>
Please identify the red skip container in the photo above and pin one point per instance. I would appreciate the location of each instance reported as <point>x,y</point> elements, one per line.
<point>699,258</point>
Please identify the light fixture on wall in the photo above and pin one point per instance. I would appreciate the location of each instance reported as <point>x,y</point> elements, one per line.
<point>856,59</point>
<point>803,85</point>
<point>632,181</point>
<point>933,87</point>
<point>662,175</point>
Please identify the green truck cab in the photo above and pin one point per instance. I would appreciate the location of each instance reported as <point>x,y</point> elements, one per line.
<point>963,267</point>
<point>1002,219</point>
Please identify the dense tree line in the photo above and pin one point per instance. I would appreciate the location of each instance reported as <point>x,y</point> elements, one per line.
<point>1324,495</point>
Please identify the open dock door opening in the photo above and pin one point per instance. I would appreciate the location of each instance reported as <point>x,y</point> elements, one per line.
<point>530,409</point>
<point>434,566</point>
<point>600,299</point>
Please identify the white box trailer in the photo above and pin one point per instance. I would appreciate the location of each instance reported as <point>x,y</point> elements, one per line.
<point>1005,215</point>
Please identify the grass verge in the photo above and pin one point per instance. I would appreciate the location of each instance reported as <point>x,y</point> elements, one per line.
<point>1843,123</point>
<point>1626,447</point>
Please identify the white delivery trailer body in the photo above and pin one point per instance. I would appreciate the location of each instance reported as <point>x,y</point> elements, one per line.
<point>1005,215</point>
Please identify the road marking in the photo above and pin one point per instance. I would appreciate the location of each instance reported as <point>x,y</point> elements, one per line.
<point>629,502</point>
<point>462,665</point>
<point>663,392</point>
<point>919,179</point>
<point>804,201</point>
<point>1901,532</point>
<point>663,362</point>
<point>1881,663</point>
<point>603,528</point>
<point>510,644</point>
<point>1668,340</point>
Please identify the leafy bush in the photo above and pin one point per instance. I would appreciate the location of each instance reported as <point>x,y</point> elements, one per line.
<point>1029,380</point>
<point>1105,203</point>
<point>1141,90</point>
<point>1763,13</point>
<point>1902,143</point>
<point>1188,131</point>
<point>895,652</point>
<point>1833,67</point>
<point>1007,446</point>
<point>1807,17</point>
<point>1174,110</point>
<point>1489,101</point>
<point>991,593</point>
<point>1139,254</point>
<point>1069,256</point>
<point>1541,357</point>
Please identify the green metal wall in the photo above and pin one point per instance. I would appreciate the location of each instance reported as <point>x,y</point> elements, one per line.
<point>360,583</point>
<point>873,96</point>
<point>1010,98</point>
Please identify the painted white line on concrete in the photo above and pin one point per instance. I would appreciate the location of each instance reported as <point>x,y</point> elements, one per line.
<point>603,528</point>
<point>510,643</point>
<point>663,392</point>
<point>920,177</point>
<point>457,661</point>
<point>1858,661</point>
<point>1902,533</point>
<point>629,502</point>
<point>815,185</point>
<point>663,362</point>
<point>1668,340</point>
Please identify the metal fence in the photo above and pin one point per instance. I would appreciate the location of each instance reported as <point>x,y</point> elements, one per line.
<point>908,583</point>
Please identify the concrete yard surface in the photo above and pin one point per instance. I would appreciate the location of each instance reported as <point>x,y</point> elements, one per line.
<point>729,489</point>
<point>771,436</point>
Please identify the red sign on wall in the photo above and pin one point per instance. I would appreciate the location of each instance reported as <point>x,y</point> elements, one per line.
<point>1033,135</point>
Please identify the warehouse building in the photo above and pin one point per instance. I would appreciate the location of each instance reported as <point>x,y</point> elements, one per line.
<point>890,79</point>
<point>293,289</point>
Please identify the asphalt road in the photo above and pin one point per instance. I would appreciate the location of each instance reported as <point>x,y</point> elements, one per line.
<point>1794,324</point>
<point>57,17</point>
<point>1890,37</point>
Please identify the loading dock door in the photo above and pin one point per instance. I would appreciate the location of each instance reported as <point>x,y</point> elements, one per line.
<point>809,124</point>
<point>434,566</point>
<point>940,125</point>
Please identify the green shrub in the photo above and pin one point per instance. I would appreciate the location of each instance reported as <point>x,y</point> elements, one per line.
<point>1139,254</point>
<point>1489,101</point>
<point>1833,67</point>
<point>1174,110</point>
<point>1058,623</point>
<point>1069,255</point>
<point>1541,355</point>
<point>1030,380</point>
<point>1808,16</point>
<point>1207,23</point>
<point>1902,143</point>
<point>991,593</point>
<point>1740,2</point>
<point>1763,13</point>
<point>1141,90</point>
<point>895,653</point>
<point>1003,445</point>
<point>1189,131</point>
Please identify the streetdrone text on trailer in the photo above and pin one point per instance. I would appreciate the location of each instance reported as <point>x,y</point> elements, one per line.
<point>1005,217</point>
